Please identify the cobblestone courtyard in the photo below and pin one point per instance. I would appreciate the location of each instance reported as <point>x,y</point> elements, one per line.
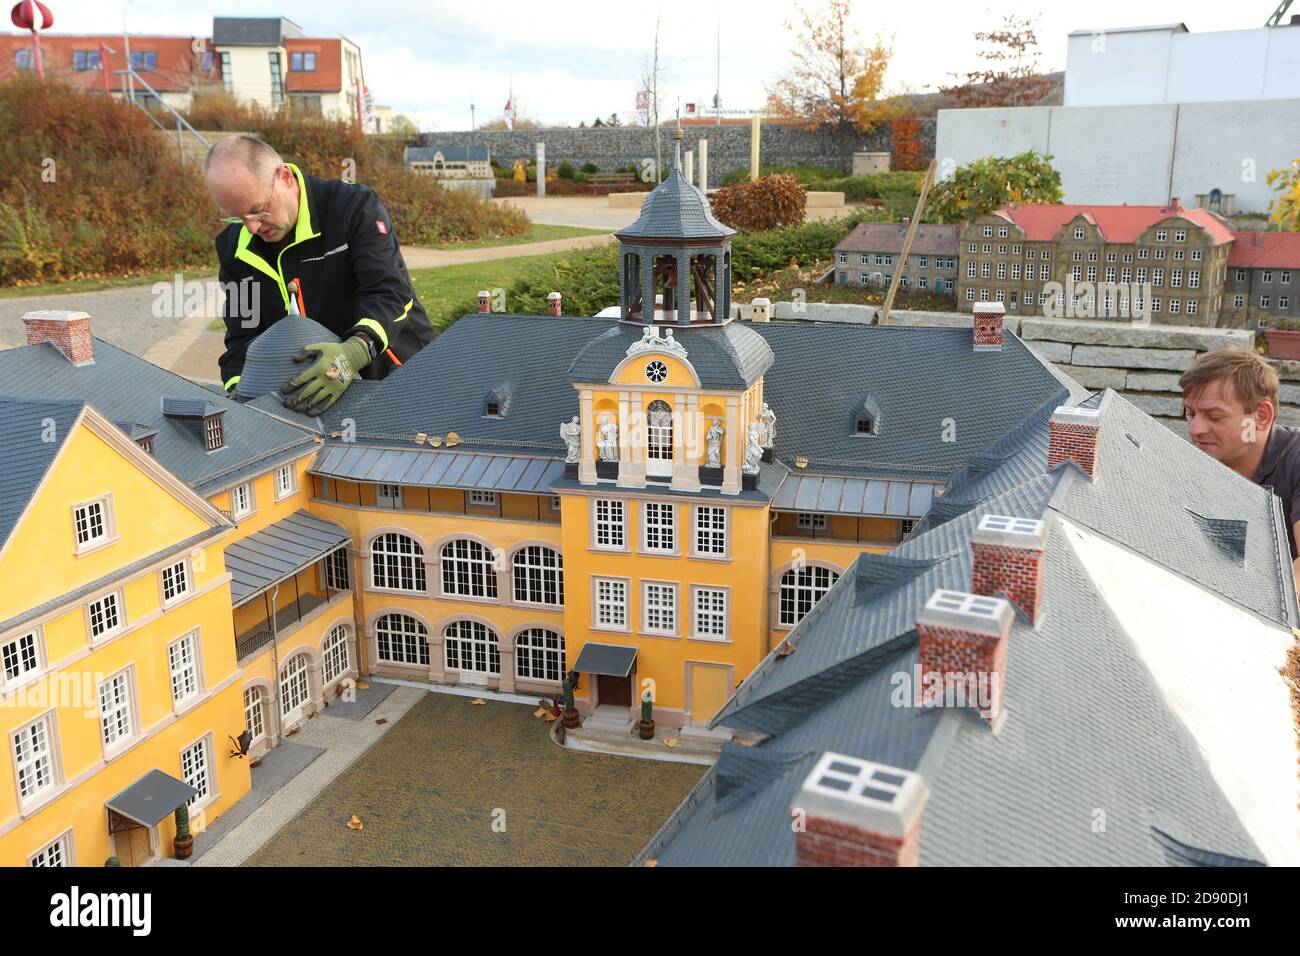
<point>428,789</point>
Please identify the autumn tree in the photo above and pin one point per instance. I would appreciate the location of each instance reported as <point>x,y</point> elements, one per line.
<point>1011,74</point>
<point>835,80</point>
<point>907,145</point>
<point>1284,211</point>
<point>993,182</point>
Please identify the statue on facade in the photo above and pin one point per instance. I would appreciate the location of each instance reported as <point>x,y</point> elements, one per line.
<point>713,438</point>
<point>607,439</point>
<point>753,448</point>
<point>768,418</point>
<point>571,432</point>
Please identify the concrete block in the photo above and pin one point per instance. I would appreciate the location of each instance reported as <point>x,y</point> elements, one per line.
<point>1288,393</point>
<point>956,320</point>
<point>1051,351</point>
<point>1178,359</point>
<point>1092,332</point>
<point>1096,378</point>
<point>1153,382</point>
<point>824,199</point>
<point>1287,370</point>
<point>1289,415</point>
<point>1157,404</point>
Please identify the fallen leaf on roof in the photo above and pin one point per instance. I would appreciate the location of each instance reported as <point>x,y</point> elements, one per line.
<point>670,741</point>
<point>478,700</point>
<point>355,823</point>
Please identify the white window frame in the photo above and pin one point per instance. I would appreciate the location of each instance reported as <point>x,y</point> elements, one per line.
<point>107,524</point>
<point>250,502</point>
<point>201,763</point>
<point>539,654</point>
<point>659,527</point>
<point>48,757</point>
<point>470,569</point>
<point>184,665</point>
<point>255,713</point>
<point>811,521</point>
<point>23,654</point>
<point>407,564</point>
<point>477,498</point>
<point>335,659</point>
<point>388,495</point>
<point>615,602</point>
<point>330,568</point>
<point>286,482</point>
<point>802,590</point>
<point>180,583</point>
<point>612,526</point>
<point>537,571</point>
<point>704,600</point>
<point>63,845</point>
<point>711,526</point>
<point>402,633</point>
<point>125,727</point>
<point>119,608</point>
<point>659,597</point>
<point>476,646</point>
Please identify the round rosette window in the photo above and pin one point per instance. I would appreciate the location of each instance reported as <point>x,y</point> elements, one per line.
<point>656,371</point>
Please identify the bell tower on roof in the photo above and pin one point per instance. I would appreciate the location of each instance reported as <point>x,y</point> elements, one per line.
<point>676,250</point>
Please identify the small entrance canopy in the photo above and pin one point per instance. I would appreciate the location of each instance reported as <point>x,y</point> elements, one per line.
<point>609,660</point>
<point>151,798</point>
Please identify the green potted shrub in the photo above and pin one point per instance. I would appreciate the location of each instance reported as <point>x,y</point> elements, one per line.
<point>112,861</point>
<point>646,726</point>
<point>184,841</point>
<point>1283,337</point>
<point>570,715</point>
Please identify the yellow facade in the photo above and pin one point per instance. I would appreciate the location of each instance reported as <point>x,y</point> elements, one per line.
<point>153,522</point>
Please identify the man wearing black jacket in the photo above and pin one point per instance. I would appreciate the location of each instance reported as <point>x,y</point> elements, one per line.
<point>335,241</point>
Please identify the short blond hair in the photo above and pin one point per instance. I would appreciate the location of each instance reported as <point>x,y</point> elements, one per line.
<point>1253,379</point>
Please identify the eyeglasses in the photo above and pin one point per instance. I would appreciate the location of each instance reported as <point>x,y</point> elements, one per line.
<point>257,216</point>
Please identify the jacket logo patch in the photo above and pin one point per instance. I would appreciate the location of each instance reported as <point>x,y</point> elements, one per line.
<point>381,226</point>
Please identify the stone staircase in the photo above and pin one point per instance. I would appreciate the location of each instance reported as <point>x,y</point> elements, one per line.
<point>609,730</point>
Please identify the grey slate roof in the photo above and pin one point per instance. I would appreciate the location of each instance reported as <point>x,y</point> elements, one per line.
<point>189,407</point>
<point>269,363</point>
<point>279,551</point>
<point>125,388</point>
<point>252,31</point>
<point>854,496</point>
<point>888,237</point>
<point>153,797</point>
<point>675,209</point>
<point>1086,724</point>
<point>25,456</point>
<point>452,154</point>
<point>929,383</point>
<point>730,355</point>
<point>428,468</point>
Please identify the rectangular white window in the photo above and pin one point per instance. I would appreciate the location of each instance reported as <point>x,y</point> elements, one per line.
<point>1092,273</point>
<point>710,530</point>
<point>253,717</point>
<point>1015,270</point>
<point>1002,270</point>
<point>241,500</point>
<point>183,658</point>
<point>1078,232</point>
<point>1044,273</point>
<point>1175,305</point>
<point>611,603</point>
<point>213,434</point>
<point>1266,276</point>
<point>91,522</point>
<point>388,495</point>
<point>1238,301</point>
<point>1161,235</point>
<point>1178,253</point>
<point>105,615</point>
<point>609,523</point>
<point>970,295</point>
<point>1264,301</point>
<point>34,758</point>
<point>1194,279</point>
<point>659,523</point>
<point>808,521</point>
<point>1175,278</point>
<point>18,658</point>
<point>115,709</point>
<point>196,771</point>
<point>57,854</point>
<point>284,483</point>
<point>988,231</point>
<point>1141,274</point>
<point>175,581</point>
<point>1191,306</point>
<point>1283,302</point>
<point>337,577</point>
<point>1158,277</point>
<point>985,270</point>
<point>710,614</point>
<point>1180,235</point>
<point>659,608</point>
<point>970,269</point>
<point>1286,277</point>
<point>483,499</point>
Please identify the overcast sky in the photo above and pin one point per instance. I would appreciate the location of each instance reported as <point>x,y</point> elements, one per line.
<point>572,60</point>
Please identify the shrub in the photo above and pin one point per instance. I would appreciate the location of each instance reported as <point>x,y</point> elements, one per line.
<point>990,183</point>
<point>767,203</point>
<point>564,170</point>
<point>590,168</point>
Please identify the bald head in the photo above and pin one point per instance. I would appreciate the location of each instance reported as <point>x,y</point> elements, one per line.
<point>247,178</point>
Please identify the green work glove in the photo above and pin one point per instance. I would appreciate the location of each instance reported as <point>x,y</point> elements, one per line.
<point>334,366</point>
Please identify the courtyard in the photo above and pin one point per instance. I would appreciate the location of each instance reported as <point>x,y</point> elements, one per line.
<point>456,783</point>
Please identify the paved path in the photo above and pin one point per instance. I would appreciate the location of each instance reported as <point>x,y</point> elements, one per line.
<point>343,739</point>
<point>420,258</point>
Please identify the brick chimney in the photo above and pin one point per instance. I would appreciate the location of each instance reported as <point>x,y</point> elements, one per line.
<point>859,813</point>
<point>988,321</point>
<point>1074,435</point>
<point>484,301</point>
<point>553,306</point>
<point>1008,559</point>
<point>69,331</point>
<point>964,645</point>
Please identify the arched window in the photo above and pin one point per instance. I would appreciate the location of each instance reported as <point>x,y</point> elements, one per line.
<point>397,563</point>
<point>659,434</point>
<point>402,640</point>
<point>801,589</point>
<point>468,569</point>
<point>254,719</point>
<point>539,654</point>
<point>539,576</point>
<point>472,646</point>
<point>334,654</point>
<point>293,686</point>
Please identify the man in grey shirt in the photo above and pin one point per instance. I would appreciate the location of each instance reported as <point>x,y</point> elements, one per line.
<point>1230,402</point>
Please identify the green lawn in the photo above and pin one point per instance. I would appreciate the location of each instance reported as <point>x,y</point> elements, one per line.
<point>541,232</point>
<point>440,288</point>
<point>108,282</point>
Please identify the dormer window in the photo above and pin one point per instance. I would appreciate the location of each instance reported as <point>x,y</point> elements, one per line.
<point>865,425</point>
<point>866,418</point>
<point>146,445</point>
<point>496,404</point>
<point>214,433</point>
<point>201,418</point>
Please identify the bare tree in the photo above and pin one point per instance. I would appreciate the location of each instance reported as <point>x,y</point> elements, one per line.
<point>1012,75</point>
